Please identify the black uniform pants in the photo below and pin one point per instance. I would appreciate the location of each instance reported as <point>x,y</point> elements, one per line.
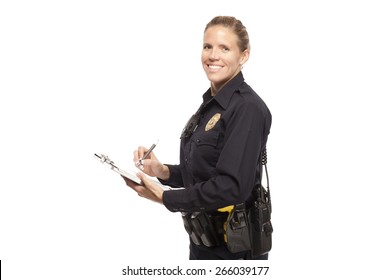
<point>200,252</point>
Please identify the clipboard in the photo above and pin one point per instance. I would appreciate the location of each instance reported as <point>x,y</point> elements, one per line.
<point>110,164</point>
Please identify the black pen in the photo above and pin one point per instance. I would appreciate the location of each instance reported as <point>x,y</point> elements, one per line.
<point>146,154</point>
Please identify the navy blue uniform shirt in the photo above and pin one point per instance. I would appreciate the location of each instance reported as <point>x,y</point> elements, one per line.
<point>219,162</point>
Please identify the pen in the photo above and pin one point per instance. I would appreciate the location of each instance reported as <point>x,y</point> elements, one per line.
<point>146,154</point>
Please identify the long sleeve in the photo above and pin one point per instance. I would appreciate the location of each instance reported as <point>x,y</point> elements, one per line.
<point>175,179</point>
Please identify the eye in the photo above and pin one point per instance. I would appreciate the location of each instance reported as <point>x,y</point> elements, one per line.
<point>206,47</point>
<point>225,49</point>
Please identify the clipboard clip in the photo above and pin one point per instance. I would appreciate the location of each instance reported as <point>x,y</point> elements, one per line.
<point>106,160</point>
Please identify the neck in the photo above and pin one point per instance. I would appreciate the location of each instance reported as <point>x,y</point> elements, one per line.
<point>214,90</point>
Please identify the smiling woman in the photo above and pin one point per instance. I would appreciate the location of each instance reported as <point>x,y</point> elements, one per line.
<point>225,50</point>
<point>220,155</point>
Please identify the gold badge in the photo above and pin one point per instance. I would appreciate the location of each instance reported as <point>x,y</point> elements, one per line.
<point>212,121</point>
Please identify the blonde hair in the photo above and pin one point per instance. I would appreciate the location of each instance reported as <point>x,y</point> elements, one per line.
<point>236,26</point>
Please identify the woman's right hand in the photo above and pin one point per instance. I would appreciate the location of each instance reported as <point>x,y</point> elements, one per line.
<point>150,165</point>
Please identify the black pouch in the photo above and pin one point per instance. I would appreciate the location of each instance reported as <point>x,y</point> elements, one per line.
<point>238,230</point>
<point>188,227</point>
<point>204,228</point>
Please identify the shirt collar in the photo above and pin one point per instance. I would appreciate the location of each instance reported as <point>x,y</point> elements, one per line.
<point>225,94</point>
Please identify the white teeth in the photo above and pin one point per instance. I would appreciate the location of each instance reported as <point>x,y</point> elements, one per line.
<point>214,66</point>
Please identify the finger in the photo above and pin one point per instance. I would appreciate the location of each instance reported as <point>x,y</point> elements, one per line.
<point>135,156</point>
<point>141,151</point>
<point>140,190</point>
<point>145,180</point>
<point>138,157</point>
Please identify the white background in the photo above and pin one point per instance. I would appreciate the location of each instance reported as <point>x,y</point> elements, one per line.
<point>84,77</point>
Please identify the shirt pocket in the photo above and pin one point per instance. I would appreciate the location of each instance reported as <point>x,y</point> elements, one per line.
<point>209,138</point>
<point>205,153</point>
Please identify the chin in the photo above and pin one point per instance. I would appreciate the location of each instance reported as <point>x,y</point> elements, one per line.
<point>215,77</point>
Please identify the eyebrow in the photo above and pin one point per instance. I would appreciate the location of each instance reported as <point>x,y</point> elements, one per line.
<point>219,45</point>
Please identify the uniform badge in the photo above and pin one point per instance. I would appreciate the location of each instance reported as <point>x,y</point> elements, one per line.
<point>211,123</point>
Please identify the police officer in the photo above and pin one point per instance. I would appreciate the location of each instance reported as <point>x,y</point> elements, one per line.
<point>220,145</point>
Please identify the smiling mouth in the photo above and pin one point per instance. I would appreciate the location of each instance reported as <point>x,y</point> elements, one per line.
<point>214,67</point>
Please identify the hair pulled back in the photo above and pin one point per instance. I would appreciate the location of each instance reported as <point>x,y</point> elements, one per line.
<point>236,26</point>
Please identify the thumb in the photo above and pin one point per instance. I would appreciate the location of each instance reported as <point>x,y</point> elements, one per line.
<point>145,180</point>
<point>155,191</point>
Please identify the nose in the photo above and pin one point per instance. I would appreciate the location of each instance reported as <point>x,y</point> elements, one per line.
<point>214,54</point>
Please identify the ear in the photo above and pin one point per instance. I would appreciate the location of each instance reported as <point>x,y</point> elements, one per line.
<point>244,57</point>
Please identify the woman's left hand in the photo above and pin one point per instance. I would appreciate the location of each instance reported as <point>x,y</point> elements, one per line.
<point>148,190</point>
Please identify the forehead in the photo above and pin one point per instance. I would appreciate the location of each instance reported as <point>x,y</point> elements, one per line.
<point>220,33</point>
